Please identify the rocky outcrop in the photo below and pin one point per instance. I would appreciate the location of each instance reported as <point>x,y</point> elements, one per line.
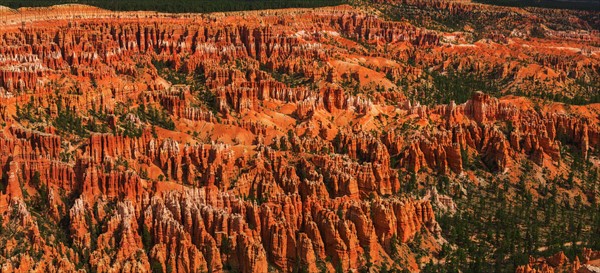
<point>560,263</point>
<point>260,141</point>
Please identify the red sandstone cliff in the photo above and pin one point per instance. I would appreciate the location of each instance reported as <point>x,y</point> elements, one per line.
<point>280,156</point>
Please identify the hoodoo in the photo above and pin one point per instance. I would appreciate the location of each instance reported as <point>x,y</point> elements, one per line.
<point>415,136</point>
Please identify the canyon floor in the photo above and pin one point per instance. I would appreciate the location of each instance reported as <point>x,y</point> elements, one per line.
<point>378,136</point>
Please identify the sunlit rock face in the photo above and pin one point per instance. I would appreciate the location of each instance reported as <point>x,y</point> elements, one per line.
<point>258,141</point>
